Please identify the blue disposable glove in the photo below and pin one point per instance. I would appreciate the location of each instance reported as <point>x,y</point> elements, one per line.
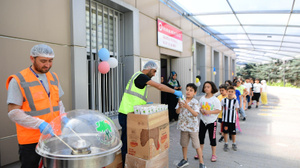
<point>178,94</point>
<point>149,102</point>
<point>65,120</point>
<point>43,125</point>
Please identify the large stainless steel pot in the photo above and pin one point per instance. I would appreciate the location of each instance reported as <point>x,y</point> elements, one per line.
<point>89,139</point>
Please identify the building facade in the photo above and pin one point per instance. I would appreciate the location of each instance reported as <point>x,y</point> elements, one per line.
<point>77,29</point>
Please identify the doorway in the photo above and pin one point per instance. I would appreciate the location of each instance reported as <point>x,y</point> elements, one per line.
<point>164,69</point>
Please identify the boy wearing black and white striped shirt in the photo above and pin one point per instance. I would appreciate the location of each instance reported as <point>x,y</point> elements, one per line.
<point>230,107</point>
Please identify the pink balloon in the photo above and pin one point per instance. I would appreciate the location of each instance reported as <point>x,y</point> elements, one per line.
<point>103,67</point>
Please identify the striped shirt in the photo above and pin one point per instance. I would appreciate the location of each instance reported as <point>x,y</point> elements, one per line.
<point>229,110</point>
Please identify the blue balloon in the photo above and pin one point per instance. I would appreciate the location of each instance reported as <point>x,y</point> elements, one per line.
<point>103,54</point>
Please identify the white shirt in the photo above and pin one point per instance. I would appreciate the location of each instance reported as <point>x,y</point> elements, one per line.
<point>256,87</point>
<point>211,104</point>
<point>186,120</point>
<point>264,88</point>
<point>248,86</point>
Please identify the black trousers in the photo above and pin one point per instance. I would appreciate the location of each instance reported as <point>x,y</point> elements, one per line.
<point>28,157</point>
<point>212,132</point>
<point>123,123</point>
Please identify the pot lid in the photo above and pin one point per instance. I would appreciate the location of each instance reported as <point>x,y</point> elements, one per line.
<point>79,134</point>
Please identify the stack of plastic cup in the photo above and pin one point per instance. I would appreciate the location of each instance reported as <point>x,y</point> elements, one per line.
<point>149,108</point>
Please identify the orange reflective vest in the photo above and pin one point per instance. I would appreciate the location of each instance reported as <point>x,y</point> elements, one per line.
<point>36,102</point>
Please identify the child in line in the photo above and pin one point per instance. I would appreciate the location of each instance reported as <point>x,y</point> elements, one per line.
<point>210,107</point>
<point>188,123</point>
<point>237,97</point>
<point>230,106</point>
<point>248,86</point>
<point>245,99</point>
<point>223,91</point>
<point>241,98</point>
<point>256,91</point>
<point>264,98</point>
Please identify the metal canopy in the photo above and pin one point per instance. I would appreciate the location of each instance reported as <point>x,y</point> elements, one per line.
<point>256,30</point>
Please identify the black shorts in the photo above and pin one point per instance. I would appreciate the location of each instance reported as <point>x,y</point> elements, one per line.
<point>256,96</point>
<point>229,128</point>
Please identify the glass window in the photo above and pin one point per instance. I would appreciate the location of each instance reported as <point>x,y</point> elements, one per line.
<point>259,5</point>
<point>227,29</point>
<point>264,19</point>
<point>264,29</point>
<point>241,42</point>
<point>274,43</point>
<point>217,19</point>
<point>106,26</point>
<point>234,37</point>
<point>291,38</point>
<point>262,22</point>
<point>293,31</point>
<point>241,46</point>
<point>211,6</point>
<point>265,37</point>
<point>295,19</point>
<point>284,53</point>
<point>296,45</point>
<point>297,5</point>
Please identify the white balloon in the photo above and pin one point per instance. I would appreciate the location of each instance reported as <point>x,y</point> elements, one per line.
<point>112,62</point>
<point>198,84</point>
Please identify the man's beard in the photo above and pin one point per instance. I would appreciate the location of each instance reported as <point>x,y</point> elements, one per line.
<point>40,69</point>
<point>149,75</point>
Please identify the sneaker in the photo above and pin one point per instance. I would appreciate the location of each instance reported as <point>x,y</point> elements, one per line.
<point>213,158</point>
<point>226,149</point>
<point>183,163</point>
<point>221,139</point>
<point>244,119</point>
<point>234,147</point>
<point>256,106</point>
<point>249,107</point>
<point>202,165</point>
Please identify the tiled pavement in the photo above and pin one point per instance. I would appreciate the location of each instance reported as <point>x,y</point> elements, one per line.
<point>270,137</point>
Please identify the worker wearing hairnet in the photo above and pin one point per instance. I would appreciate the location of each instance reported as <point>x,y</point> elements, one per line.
<point>33,101</point>
<point>136,94</point>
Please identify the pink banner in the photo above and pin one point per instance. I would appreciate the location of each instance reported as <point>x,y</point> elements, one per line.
<point>169,36</point>
<point>169,30</point>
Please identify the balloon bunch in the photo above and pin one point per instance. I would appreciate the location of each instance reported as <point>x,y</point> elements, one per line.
<point>215,71</point>
<point>107,62</point>
<point>198,82</point>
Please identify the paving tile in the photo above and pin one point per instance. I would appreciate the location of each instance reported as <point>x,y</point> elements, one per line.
<point>266,141</point>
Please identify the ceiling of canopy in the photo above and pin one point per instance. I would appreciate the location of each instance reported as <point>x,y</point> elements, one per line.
<point>258,31</point>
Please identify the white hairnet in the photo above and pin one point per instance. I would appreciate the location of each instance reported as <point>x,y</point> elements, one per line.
<point>42,50</point>
<point>150,65</point>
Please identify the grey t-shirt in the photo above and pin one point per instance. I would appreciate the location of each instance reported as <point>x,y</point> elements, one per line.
<point>14,94</point>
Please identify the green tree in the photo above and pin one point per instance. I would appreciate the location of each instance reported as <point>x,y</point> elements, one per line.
<point>273,72</point>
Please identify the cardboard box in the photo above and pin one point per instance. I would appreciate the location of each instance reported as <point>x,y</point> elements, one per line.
<point>159,161</point>
<point>148,135</point>
<point>117,163</point>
